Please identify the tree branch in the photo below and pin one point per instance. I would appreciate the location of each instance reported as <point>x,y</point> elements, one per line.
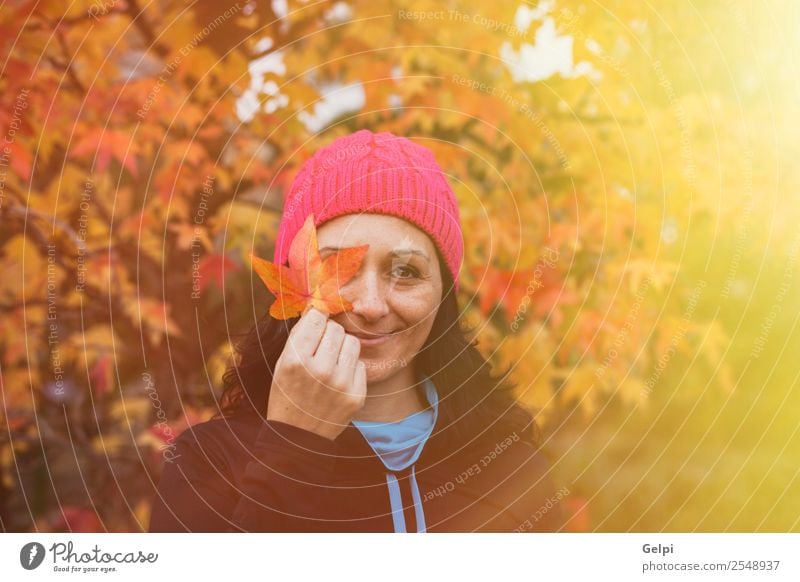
<point>72,21</point>
<point>25,211</point>
<point>70,71</point>
<point>140,22</point>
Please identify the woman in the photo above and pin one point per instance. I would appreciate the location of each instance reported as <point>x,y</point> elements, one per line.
<point>383,418</point>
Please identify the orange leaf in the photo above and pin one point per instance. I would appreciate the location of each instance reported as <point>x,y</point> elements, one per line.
<point>577,514</point>
<point>308,280</point>
<point>21,160</point>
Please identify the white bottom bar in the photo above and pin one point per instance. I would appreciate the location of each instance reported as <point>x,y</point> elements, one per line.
<point>402,558</point>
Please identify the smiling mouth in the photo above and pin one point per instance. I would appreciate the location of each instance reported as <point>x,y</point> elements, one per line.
<point>372,336</point>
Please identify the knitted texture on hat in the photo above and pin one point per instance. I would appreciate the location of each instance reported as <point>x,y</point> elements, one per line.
<point>378,173</point>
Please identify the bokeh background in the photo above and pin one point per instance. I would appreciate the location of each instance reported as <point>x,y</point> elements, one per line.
<point>628,183</point>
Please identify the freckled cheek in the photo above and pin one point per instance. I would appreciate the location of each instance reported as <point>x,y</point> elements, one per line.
<point>417,313</point>
<point>414,307</point>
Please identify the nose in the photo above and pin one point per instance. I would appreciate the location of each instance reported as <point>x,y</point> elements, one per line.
<point>368,293</point>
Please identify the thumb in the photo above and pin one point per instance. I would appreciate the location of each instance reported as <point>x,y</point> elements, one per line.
<point>310,306</point>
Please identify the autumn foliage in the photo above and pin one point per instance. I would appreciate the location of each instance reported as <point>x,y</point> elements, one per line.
<point>148,146</point>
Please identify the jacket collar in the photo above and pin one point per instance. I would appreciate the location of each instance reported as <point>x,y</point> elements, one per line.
<point>355,451</point>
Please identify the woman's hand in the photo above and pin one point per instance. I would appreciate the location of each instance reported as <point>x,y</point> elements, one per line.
<point>319,383</point>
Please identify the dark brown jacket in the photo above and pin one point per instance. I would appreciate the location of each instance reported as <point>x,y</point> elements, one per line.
<point>246,474</point>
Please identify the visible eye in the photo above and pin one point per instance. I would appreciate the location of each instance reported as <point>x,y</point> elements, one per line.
<point>413,273</point>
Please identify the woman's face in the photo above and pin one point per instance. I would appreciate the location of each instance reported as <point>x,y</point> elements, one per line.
<point>395,294</point>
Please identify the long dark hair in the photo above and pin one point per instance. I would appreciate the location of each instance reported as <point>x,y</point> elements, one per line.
<point>462,376</point>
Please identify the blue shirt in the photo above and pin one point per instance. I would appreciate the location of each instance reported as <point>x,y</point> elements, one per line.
<point>398,445</point>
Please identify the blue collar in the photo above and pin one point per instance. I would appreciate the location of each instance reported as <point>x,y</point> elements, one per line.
<point>399,444</point>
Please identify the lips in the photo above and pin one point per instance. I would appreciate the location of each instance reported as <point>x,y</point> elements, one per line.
<point>372,340</point>
<point>364,335</point>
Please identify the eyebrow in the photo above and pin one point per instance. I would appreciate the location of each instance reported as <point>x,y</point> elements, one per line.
<point>394,253</point>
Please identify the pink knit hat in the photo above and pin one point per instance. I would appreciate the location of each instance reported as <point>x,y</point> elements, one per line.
<point>378,173</point>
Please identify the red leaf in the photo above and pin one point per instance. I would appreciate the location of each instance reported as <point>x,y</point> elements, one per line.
<point>100,374</point>
<point>501,287</point>
<point>105,144</point>
<point>543,285</point>
<point>213,268</point>
<point>168,432</point>
<point>76,519</point>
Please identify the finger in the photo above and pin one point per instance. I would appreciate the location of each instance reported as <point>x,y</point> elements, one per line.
<point>352,376</point>
<point>348,360</point>
<point>360,380</point>
<point>305,336</point>
<point>330,346</point>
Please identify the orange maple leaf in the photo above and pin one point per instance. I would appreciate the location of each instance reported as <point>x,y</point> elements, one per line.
<point>308,280</point>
